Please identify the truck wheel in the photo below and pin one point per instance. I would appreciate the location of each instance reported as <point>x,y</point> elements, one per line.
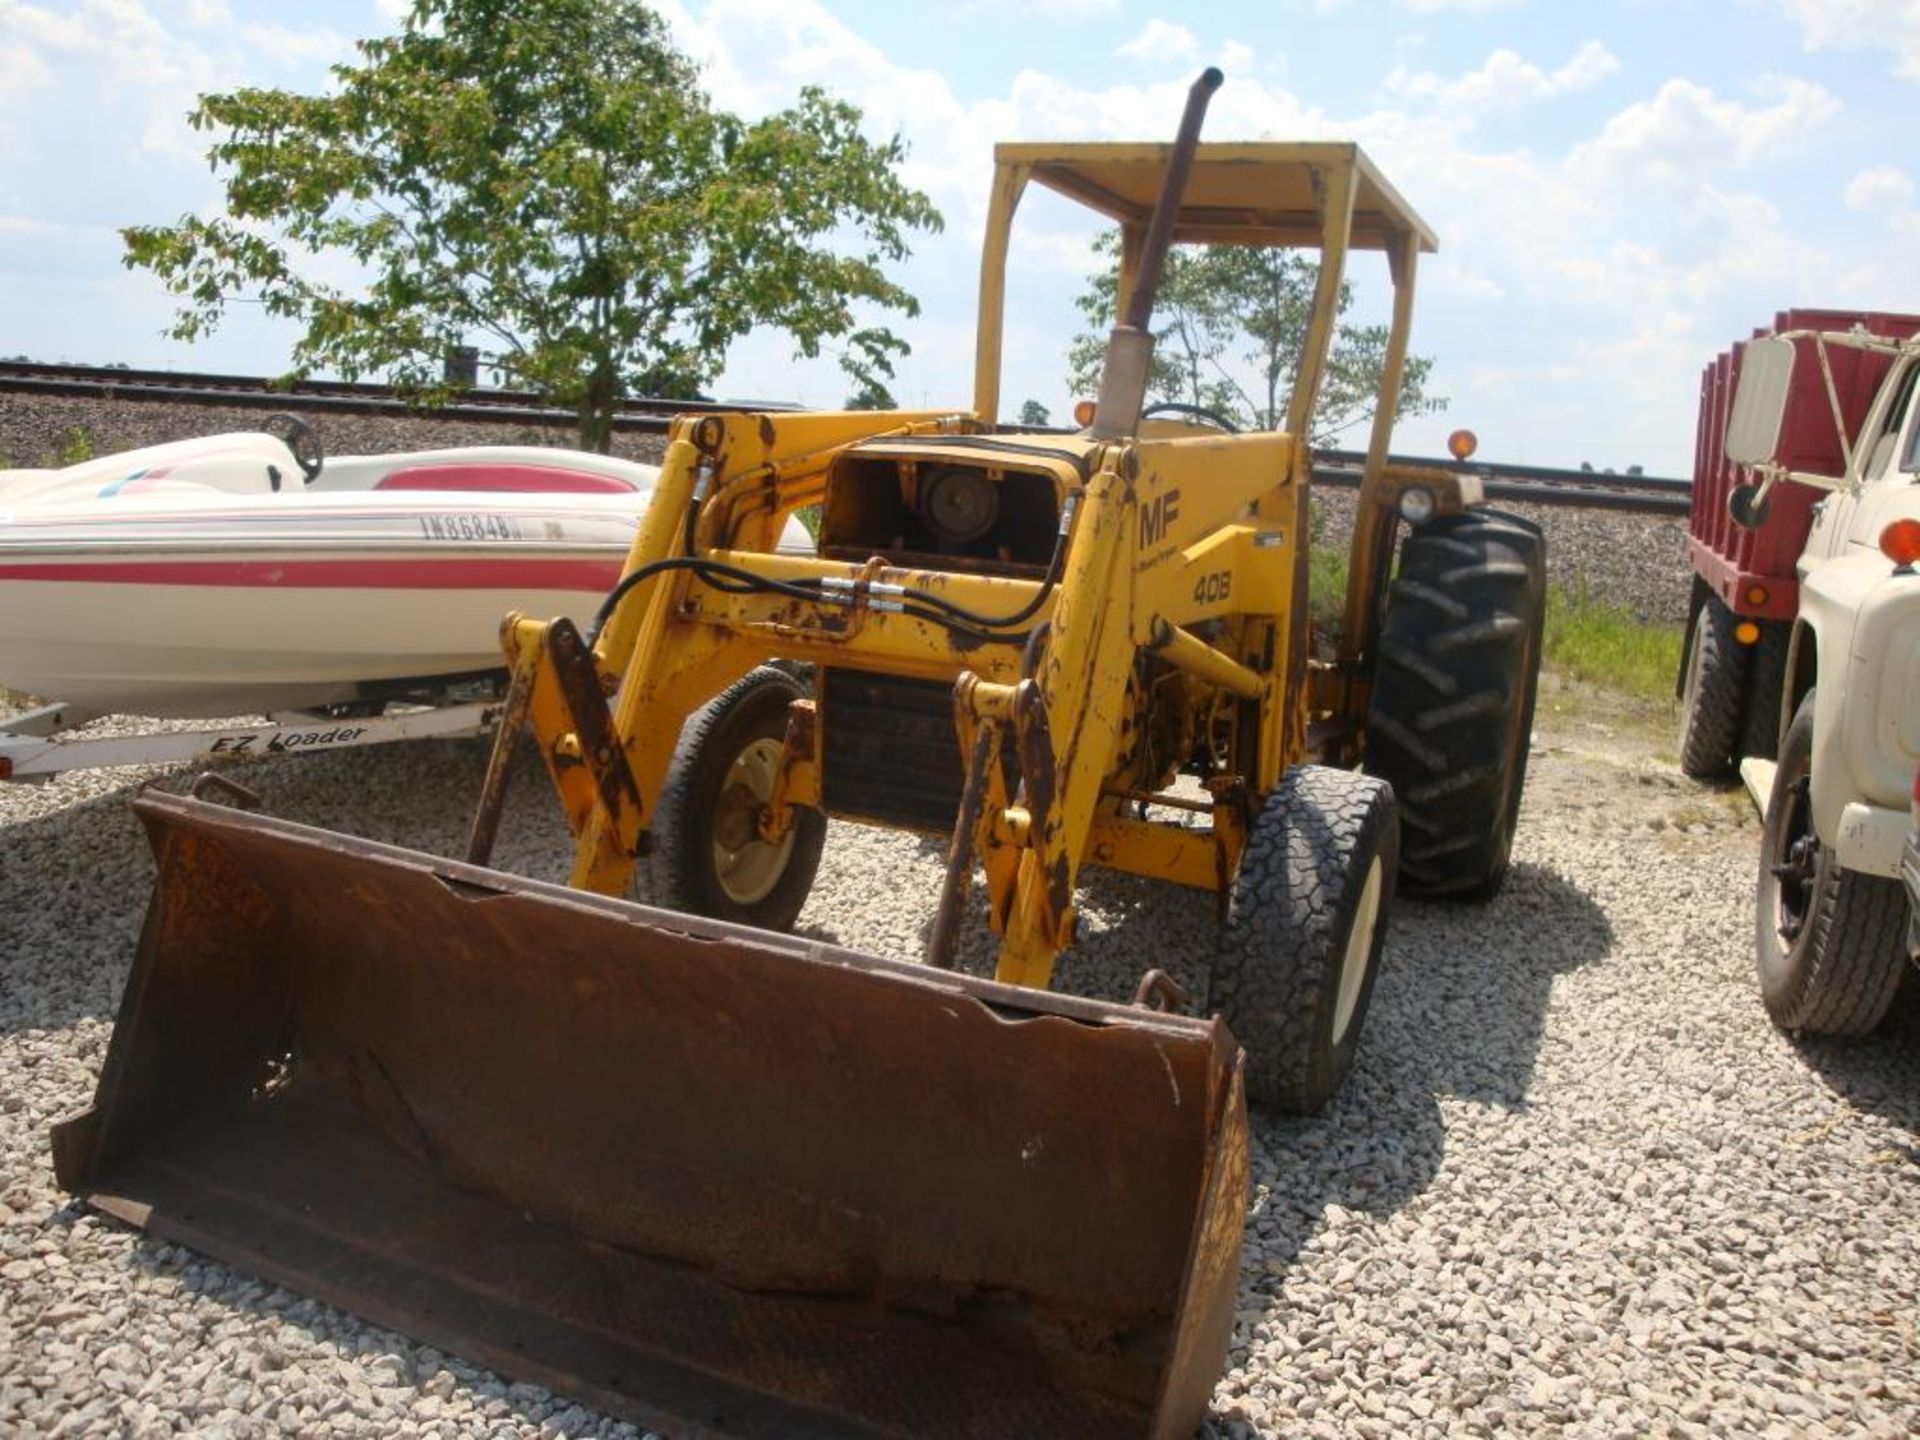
<point>1761,734</point>
<point>1305,920</point>
<point>1453,691</point>
<point>709,857</point>
<point>1713,692</point>
<point>1831,942</point>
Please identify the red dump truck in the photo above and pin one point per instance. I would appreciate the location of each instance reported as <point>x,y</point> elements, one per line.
<point>1745,591</point>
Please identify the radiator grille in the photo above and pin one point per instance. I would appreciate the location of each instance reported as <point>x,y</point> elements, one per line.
<point>888,752</point>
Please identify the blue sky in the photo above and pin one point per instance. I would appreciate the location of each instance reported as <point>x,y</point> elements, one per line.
<point>1619,188</point>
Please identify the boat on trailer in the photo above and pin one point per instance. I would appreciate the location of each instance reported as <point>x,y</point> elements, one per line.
<point>248,574</point>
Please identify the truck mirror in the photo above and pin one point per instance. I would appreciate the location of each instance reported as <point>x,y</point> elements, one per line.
<point>1748,506</point>
<point>1760,400</point>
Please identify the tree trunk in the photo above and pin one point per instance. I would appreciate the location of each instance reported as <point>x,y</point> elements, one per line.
<point>596,410</point>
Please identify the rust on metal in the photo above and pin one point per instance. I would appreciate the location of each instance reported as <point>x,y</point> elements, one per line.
<point>721,1181</point>
<point>506,744</point>
<point>799,779</point>
<point>600,748</point>
<point>1158,990</point>
<point>1034,745</point>
<point>943,941</point>
<point>212,784</point>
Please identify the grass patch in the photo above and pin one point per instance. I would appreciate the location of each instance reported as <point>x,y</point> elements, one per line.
<point>1596,642</point>
<point>76,446</point>
<point>1602,643</point>
<point>1327,585</point>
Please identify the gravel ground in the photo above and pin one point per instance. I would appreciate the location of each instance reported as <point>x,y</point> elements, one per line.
<point>1576,1183</point>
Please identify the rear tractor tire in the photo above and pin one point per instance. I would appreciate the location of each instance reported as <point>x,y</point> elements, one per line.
<point>1831,943</point>
<point>1713,693</point>
<point>1306,918</point>
<point>1454,685</point>
<point>709,856</point>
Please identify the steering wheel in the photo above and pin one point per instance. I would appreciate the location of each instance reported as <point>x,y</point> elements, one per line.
<point>1192,412</point>
<point>302,439</point>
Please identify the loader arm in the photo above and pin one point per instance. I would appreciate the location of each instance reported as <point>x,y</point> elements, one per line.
<point>737,475</point>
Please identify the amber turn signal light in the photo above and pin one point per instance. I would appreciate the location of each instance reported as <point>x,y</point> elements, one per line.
<point>1462,443</point>
<point>1083,414</point>
<point>1900,542</point>
<point>1756,594</point>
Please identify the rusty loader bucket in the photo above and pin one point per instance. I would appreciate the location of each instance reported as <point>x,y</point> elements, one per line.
<point>720,1181</point>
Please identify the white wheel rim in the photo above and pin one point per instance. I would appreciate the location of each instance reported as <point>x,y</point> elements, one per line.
<point>749,867</point>
<point>1353,965</point>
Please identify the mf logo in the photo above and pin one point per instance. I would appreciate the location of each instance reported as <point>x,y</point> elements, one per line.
<point>1156,517</point>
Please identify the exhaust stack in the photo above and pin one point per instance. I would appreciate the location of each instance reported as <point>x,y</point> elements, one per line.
<point>1123,379</point>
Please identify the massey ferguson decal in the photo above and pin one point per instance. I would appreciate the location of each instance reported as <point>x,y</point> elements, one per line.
<point>277,741</point>
<point>464,525</point>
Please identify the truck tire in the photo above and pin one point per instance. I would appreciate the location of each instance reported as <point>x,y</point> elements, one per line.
<point>1831,943</point>
<point>1306,917</point>
<point>1452,707</point>
<point>1713,693</point>
<point>709,860</point>
<point>1761,734</point>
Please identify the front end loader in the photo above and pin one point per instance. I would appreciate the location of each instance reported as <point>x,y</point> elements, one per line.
<point>675,1161</point>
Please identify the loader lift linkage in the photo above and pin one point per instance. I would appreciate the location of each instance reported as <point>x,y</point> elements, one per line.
<point>732,1182</point>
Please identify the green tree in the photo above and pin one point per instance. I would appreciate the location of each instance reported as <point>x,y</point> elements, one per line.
<point>546,175</point>
<point>1033,413</point>
<point>871,394</point>
<point>1229,324</point>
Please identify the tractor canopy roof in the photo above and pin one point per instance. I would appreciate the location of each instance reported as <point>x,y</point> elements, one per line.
<point>1258,193</point>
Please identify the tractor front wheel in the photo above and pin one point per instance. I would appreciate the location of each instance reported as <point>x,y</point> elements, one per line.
<point>710,856</point>
<point>1306,918</point>
<point>1451,714</point>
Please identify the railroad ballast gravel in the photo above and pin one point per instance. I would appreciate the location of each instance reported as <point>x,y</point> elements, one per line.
<point>1575,1184</point>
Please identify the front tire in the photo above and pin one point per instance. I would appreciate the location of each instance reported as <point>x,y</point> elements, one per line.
<point>1306,918</point>
<point>1451,715</point>
<point>1831,943</point>
<point>1713,693</point>
<point>710,859</point>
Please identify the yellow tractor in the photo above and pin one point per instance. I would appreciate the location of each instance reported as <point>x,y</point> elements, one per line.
<point>699,1171</point>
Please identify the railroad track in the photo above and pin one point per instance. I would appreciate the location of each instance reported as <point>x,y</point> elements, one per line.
<point>1531,484</point>
<point>343,397</point>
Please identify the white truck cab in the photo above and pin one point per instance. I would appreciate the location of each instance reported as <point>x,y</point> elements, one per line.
<point>1832,922</point>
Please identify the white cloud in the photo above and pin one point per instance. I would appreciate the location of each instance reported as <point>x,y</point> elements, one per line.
<point>1505,81</point>
<point>1886,191</point>
<point>1160,40</point>
<point>1069,9</point>
<point>1861,25</point>
<point>1880,187</point>
<point>1686,133</point>
<point>129,69</point>
<point>1471,7</point>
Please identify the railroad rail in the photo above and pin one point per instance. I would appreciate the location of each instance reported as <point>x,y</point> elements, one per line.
<point>1341,469</point>
<point>341,397</point>
<point>1531,484</point>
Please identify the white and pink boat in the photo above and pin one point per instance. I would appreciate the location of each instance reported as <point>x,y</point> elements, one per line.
<point>228,576</point>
